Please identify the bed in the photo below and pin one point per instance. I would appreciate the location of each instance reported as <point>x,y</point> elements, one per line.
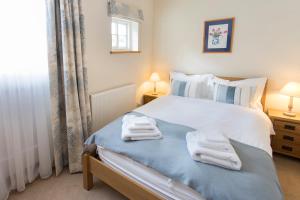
<point>123,166</point>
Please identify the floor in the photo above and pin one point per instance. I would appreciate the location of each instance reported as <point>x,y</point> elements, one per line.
<point>66,187</point>
<point>70,186</point>
<point>288,170</point>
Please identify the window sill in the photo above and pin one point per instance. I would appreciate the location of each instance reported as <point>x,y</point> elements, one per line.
<point>120,52</point>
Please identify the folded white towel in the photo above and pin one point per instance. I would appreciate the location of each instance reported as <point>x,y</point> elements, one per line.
<point>133,127</point>
<point>215,136</point>
<point>227,159</point>
<point>140,135</point>
<point>139,121</point>
<point>213,141</point>
<point>143,131</point>
<point>144,121</point>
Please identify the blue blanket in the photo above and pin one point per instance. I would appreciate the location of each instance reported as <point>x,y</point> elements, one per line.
<point>169,156</point>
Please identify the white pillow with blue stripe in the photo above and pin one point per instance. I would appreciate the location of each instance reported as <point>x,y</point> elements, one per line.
<point>196,86</point>
<point>180,88</point>
<point>252,88</point>
<point>242,96</point>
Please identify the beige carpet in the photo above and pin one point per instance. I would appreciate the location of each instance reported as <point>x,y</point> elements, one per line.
<point>69,187</point>
<point>66,187</point>
<point>288,170</point>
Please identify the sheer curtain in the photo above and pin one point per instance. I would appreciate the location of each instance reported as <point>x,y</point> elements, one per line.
<point>25,145</point>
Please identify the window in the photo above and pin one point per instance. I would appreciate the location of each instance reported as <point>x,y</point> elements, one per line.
<point>124,35</point>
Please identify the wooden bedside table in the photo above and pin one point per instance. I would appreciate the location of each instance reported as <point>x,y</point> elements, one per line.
<point>287,138</point>
<point>150,97</point>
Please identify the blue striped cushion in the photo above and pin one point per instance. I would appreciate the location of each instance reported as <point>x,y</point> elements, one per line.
<point>227,94</point>
<point>179,88</point>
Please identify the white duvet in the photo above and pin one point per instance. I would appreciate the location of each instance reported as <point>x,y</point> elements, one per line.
<point>245,125</point>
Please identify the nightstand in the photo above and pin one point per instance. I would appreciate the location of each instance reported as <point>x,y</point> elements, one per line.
<point>287,138</point>
<point>150,97</point>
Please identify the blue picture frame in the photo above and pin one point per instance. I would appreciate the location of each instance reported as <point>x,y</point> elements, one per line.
<point>218,36</point>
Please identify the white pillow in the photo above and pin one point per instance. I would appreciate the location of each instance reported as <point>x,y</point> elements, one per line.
<point>202,87</point>
<point>219,81</point>
<point>256,85</point>
<point>178,79</point>
<point>237,95</point>
<point>178,76</point>
<point>198,86</point>
<point>180,88</point>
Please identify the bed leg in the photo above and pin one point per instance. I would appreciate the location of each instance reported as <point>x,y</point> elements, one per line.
<point>87,175</point>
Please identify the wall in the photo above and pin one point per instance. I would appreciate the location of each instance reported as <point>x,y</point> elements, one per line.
<point>105,70</point>
<point>266,40</point>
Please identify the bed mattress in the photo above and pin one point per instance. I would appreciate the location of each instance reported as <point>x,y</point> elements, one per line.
<point>164,186</point>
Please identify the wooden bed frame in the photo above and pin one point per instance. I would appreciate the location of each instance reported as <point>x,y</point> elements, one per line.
<point>93,166</point>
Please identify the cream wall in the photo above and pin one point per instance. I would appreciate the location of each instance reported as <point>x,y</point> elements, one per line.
<point>105,70</point>
<point>266,40</point>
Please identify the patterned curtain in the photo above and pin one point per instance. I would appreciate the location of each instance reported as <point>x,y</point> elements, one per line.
<point>71,116</point>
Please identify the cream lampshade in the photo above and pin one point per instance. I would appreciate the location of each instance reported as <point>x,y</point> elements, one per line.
<point>154,78</point>
<point>292,90</point>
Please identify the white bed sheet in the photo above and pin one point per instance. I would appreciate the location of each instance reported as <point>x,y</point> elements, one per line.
<point>245,125</point>
<point>165,187</point>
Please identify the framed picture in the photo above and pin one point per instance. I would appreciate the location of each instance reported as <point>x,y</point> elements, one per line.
<point>218,36</point>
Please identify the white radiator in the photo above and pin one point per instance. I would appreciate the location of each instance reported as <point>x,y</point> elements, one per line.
<point>111,104</point>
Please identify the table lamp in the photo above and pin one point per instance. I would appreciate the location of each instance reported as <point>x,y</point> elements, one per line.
<point>292,89</point>
<point>154,78</point>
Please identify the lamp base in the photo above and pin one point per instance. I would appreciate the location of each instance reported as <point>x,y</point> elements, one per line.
<point>290,114</point>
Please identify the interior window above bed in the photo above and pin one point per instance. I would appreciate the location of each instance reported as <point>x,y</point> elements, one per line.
<point>124,35</point>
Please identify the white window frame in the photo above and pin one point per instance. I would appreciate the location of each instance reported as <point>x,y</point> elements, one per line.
<point>129,41</point>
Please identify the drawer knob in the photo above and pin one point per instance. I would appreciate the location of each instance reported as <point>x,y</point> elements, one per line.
<point>289,138</point>
<point>286,148</point>
<point>289,127</point>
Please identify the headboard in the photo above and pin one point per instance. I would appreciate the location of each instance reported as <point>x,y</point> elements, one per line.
<point>263,98</point>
